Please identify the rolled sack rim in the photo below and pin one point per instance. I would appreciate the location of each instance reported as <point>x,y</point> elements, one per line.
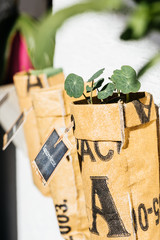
<point>102,122</point>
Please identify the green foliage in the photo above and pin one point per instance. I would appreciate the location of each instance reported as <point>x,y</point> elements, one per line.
<point>74,85</point>
<point>123,81</point>
<point>96,75</point>
<point>144,18</point>
<point>42,53</point>
<point>47,71</point>
<point>96,85</point>
<point>106,91</point>
<point>154,60</point>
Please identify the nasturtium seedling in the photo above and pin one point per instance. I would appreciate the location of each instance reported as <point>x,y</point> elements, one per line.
<point>122,81</point>
<point>74,85</point>
<point>126,80</point>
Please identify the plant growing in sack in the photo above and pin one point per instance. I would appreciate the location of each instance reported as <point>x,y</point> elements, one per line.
<point>117,147</point>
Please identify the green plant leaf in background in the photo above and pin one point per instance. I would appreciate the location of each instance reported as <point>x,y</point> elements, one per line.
<point>42,54</point>
<point>126,80</point>
<point>106,91</point>
<point>47,71</point>
<point>144,18</point>
<point>74,85</point>
<point>153,61</point>
<point>138,23</point>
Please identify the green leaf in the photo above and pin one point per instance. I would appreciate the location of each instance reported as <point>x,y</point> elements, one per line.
<point>106,91</point>
<point>74,85</point>
<point>88,89</point>
<point>138,24</point>
<point>48,71</point>
<point>96,75</point>
<point>42,54</point>
<point>153,61</point>
<point>96,85</point>
<point>125,80</point>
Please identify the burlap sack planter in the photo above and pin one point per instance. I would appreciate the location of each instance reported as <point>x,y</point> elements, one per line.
<point>25,85</point>
<point>51,108</point>
<point>118,154</point>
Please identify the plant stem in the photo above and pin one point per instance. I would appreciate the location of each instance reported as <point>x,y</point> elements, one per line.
<point>91,92</point>
<point>86,98</point>
<point>127,98</point>
<point>119,94</point>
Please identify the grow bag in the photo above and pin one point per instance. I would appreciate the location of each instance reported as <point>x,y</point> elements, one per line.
<point>118,154</point>
<point>52,111</point>
<point>26,84</point>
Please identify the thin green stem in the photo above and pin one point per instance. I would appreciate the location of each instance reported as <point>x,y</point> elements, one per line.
<point>127,98</point>
<point>119,94</point>
<point>91,92</point>
<point>86,98</point>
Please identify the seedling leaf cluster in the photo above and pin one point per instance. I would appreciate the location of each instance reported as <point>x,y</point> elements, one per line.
<point>122,81</point>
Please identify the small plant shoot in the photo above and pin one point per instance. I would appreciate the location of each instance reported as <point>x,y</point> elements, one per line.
<point>122,81</point>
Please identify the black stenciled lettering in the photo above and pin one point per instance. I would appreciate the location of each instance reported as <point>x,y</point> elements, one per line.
<point>108,212</point>
<point>62,218</point>
<point>66,229</point>
<point>70,238</point>
<point>105,158</point>
<point>144,226</point>
<point>77,144</point>
<point>79,156</point>
<point>62,207</point>
<point>140,110</point>
<point>150,210</point>
<point>86,151</point>
<point>119,144</point>
<point>156,209</point>
<point>134,220</point>
<point>30,85</point>
<point>80,162</point>
<point>72,120</point>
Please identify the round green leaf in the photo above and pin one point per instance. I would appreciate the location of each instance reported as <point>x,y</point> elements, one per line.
<point>126,80</point>
<point>74,85</point>
<point>106,91</point>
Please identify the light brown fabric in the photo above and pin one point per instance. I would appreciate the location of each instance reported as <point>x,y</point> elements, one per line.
<point>24,85</point>
<point>66,186</point>
<point>121,184</point>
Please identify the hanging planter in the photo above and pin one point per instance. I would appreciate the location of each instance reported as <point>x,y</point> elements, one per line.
<point>51,107</point>
<point>25,84</point>
<point>117,147</point>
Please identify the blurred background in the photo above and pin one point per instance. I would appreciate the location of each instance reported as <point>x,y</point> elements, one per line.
<point>81,37</point>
